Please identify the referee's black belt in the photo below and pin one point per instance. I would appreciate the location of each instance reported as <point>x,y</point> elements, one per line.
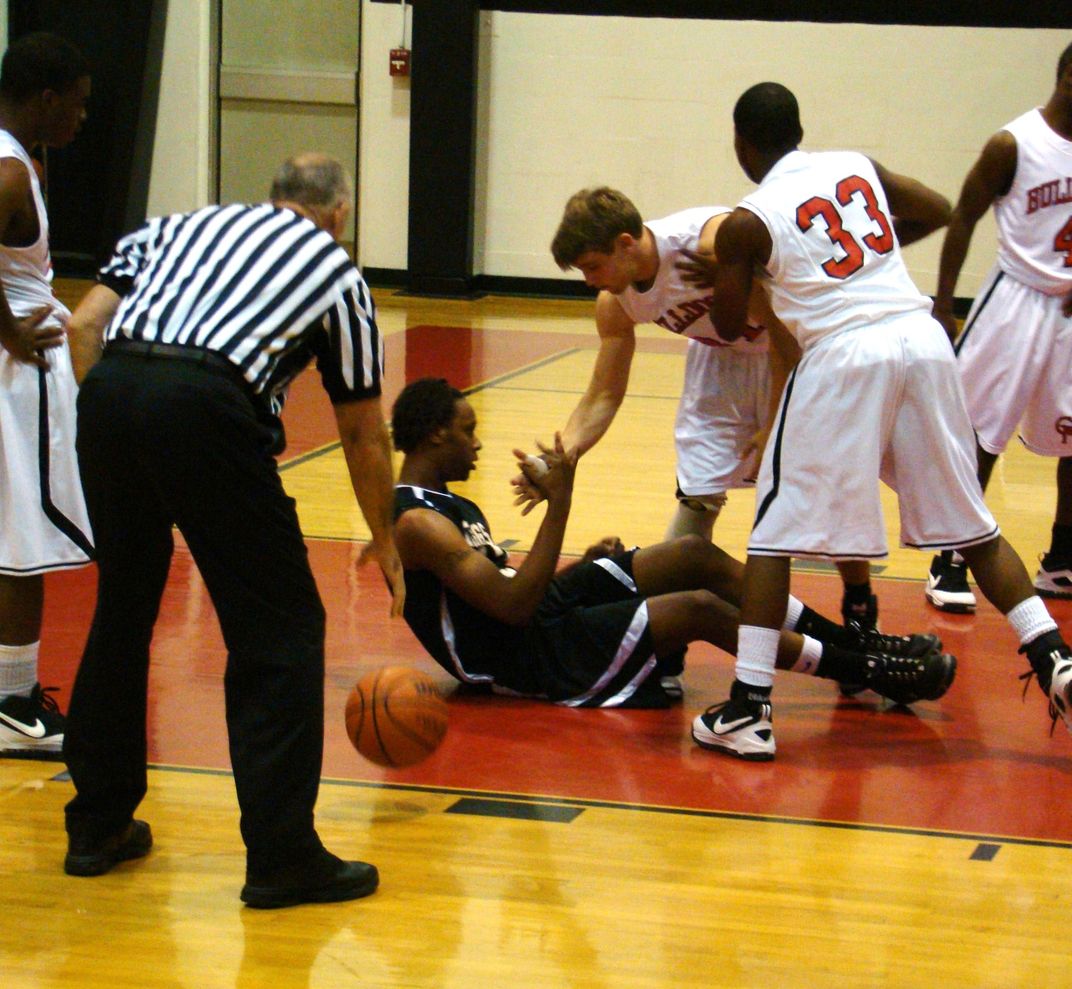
<point>154,349</point>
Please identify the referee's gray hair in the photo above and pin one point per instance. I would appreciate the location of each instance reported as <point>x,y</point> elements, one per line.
<point>311,179</point>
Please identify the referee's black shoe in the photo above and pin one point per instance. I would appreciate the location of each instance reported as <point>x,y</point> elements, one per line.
<point>95,857</point>
<point>327,880</point>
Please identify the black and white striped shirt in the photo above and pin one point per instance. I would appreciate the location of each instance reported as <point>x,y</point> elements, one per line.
<point>259,285</point>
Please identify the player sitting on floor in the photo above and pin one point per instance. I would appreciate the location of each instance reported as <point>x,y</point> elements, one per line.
<point>609,631</point>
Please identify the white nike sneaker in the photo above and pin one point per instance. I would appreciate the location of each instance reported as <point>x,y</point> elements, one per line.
<point>31,724</point>
<point>739,727</point>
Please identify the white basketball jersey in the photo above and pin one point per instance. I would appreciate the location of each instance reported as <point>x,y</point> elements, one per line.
<point>1035,216</point>
<point>27,271</point>
<point>673,303</point>
<point>835,262</point>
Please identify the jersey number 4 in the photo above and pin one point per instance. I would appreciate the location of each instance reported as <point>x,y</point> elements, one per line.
<point>880,241</point>
<point>1062,243</point>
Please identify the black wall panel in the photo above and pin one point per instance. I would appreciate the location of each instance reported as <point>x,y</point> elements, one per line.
<point>98,185</point>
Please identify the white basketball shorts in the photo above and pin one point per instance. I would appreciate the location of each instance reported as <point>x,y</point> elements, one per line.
<point>883,401</point>
<point>1015,357</point>
<point>724,402</point>
<point>44,522</point>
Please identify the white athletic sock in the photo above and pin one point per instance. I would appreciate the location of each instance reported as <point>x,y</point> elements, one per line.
<point>757,652</point>
<point>792,613</point>
<point>18,669</point>
<point>1030,619</point>
<point>808,660</point>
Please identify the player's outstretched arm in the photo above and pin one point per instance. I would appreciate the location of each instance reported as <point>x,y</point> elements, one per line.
<point>603,396</point>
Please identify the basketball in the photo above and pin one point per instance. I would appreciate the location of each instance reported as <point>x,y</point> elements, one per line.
<point>396,716</point>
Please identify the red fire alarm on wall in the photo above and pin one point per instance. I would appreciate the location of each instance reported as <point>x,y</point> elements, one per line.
<point>400,61</point>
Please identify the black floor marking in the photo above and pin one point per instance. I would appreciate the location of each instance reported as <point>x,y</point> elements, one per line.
<point>997,841</point>
<point>556,813</point>
<point>985,852</point>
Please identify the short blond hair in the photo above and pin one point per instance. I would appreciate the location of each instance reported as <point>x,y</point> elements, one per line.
<point>593,218</point>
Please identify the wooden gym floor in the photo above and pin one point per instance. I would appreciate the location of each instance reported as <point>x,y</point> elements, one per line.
<point>551,847</point>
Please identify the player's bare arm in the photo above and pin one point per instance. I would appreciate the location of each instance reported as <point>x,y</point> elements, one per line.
<point>85,328</point>
<point>367,449</point>
<point>428,541</point>
<point>990,177</point>
<point>609,381</point>
<point>783,354</point>
<point>917,209</point>
<point>742,242</point>
<point>22,338</point>
<point>603,396</point>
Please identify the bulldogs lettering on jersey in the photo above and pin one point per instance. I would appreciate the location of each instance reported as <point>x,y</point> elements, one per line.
<point>673,303</point>
<point>1034,250</point>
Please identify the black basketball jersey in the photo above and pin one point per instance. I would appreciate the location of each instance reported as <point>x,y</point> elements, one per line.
<point>468,644</point>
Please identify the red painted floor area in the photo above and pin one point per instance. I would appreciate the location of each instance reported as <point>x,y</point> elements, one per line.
<point>979,761</point>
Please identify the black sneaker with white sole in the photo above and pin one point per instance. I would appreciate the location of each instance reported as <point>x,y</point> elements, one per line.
<point>31,725</point>
<point>740,727</point>
<point>907,679</point>
<point>860,618</point>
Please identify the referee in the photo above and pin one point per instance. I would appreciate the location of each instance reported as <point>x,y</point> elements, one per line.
<point>205,318</point>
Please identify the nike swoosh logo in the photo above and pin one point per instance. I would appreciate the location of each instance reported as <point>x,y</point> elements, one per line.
<point>724,727</point>
<point>36,730</point>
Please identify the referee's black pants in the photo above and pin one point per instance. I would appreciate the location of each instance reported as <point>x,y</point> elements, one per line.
<point>166,441</point>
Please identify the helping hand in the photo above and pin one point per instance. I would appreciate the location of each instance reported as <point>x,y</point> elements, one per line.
<point>700,269</point>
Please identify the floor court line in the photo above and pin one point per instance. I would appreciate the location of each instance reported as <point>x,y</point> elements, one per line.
<point>980,839</point>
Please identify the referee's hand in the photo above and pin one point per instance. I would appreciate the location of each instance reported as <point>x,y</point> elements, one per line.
<point>390,565</point>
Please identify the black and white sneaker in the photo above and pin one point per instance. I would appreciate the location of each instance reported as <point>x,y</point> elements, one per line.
<point>947,586</point>
<point>739,727</point>
<point>31,725</point>
<point>907,679</point>
<point>862,619</point>
<point>1054,578</point>
<point>1051,661</point>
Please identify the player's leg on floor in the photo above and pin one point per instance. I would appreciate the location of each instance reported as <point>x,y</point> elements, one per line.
<point>1004,581</point>
<point>859,607</point>
<point>1054,577</point>
<point>688,563</point>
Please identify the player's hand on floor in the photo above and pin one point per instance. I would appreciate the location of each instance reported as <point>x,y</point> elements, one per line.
<point>607,546</point>
<point>700,269</point>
